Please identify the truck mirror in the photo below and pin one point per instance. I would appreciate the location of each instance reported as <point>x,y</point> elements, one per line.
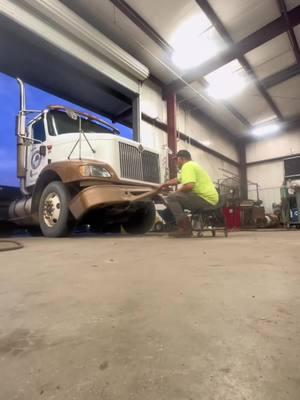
<point>43,151</point>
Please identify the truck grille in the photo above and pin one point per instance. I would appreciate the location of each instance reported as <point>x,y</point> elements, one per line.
<point>137,165</point>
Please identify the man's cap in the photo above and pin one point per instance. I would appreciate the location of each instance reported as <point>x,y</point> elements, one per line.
<point>183,154</point>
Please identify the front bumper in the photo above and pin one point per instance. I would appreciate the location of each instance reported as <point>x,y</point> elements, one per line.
<point>100,196</point>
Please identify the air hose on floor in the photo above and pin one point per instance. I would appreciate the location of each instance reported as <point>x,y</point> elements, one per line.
<point>7,245</point>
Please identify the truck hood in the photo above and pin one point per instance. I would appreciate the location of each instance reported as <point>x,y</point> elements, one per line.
<point>72,137</point>
<point>129,159</point>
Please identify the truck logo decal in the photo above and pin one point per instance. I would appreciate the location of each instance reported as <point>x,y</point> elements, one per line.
<point>140,148</point>
<point>36,160</point>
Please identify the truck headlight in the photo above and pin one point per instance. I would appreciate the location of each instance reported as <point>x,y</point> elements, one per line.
<point>94,170</point>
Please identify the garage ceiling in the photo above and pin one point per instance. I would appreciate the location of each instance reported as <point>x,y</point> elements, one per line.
<point>272,57</point>
<point>147,34</point>
<point>287,97</point>
<point>241,18</point>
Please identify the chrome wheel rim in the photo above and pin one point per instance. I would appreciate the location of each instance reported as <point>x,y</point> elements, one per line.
<point>52,209</point>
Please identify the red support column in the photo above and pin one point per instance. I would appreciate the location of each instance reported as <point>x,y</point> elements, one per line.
<point>243,171</point>
<point>172,132</point>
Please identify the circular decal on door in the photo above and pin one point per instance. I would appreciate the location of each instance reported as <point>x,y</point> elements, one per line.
<point>36,160</point>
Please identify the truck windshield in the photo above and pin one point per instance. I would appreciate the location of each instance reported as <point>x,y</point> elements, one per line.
<point>60,123</point>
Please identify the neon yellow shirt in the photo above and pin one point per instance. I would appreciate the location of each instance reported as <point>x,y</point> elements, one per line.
<point>192,172</point>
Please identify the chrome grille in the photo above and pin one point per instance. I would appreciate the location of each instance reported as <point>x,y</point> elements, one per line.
<point>150,163</point>
<point>139,165</point>
<point>131,162</point>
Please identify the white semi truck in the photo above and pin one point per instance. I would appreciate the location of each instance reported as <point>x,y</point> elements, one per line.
<point>75,167</point>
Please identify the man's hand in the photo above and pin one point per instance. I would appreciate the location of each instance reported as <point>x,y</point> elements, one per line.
<point>164,186</point>
<point>171,182</point>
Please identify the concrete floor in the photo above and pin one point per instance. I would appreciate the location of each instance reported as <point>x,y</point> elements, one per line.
<point>151,318</point>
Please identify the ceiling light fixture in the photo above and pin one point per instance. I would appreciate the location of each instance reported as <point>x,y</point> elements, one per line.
<point>206,143</point>
<point>266,129</point>
<point>227,81</point>
<point>194,42</point>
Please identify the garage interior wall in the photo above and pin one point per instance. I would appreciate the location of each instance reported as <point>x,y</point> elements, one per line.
<point>270,175</point>
<point>153,105</point>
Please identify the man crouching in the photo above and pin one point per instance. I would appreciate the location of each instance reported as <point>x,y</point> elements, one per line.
<point>196,192</point>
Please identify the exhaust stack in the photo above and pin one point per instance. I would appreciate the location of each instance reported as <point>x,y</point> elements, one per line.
<point>22,95</point>
<point>21,138</point>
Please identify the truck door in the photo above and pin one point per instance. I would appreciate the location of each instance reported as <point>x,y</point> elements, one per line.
<point>36,158</point>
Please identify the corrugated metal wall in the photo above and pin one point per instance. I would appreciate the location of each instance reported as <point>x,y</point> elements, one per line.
<point>270,175</point>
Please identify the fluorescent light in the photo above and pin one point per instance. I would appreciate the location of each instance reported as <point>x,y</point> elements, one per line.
<point>227,81</point>
<point>206,143</point>
<point>194,52</point>
<point>194,42</point>
<point>266,129</point>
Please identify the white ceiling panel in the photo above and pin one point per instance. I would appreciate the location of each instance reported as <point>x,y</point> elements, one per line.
<point>252,105</point>
<point>227,81</point>
<point>242,18</point>
<point>165,16</point>
<point>272,56</point>
<point>136,42</point>
<point>287,96</point>
<point>292,4</point>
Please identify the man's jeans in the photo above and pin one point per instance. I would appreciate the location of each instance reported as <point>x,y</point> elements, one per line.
<point>180,201</point>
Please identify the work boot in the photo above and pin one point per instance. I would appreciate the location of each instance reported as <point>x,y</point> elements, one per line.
<point>184,229</point>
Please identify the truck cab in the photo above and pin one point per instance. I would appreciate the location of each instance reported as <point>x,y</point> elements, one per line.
<point>74,167</point>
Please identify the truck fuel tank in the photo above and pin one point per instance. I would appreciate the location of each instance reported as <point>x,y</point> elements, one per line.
<point>20,212</point>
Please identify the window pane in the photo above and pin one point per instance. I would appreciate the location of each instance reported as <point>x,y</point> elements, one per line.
<point>39,131</point>
<point>61,123</point>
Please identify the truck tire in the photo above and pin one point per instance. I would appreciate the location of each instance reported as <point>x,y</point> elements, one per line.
<point>142,220</point>
<point>54,215</point>
<point>159,227</point>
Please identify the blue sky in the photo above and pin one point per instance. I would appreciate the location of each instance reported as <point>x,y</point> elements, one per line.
<point>9,107</point>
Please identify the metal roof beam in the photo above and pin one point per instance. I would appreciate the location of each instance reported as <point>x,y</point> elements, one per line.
<point>291,33</point>
<point>142,24</point>
<point>281,76</point>
<point>219,26</point>
<point>256,39</point>
<point>260,87</point>
<point>236,113</point>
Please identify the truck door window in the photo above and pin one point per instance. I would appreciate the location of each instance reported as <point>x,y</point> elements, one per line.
<point>39,131</point>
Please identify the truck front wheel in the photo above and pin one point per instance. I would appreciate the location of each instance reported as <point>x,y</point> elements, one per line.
<point>142,219</point>
<point>54,215</point>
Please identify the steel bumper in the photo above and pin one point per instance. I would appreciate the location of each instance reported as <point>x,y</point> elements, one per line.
<point>105,195</point>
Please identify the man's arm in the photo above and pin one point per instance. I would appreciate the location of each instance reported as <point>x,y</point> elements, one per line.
<point>188,179</point>
<point>171,182</point>
<point>188,187</point>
